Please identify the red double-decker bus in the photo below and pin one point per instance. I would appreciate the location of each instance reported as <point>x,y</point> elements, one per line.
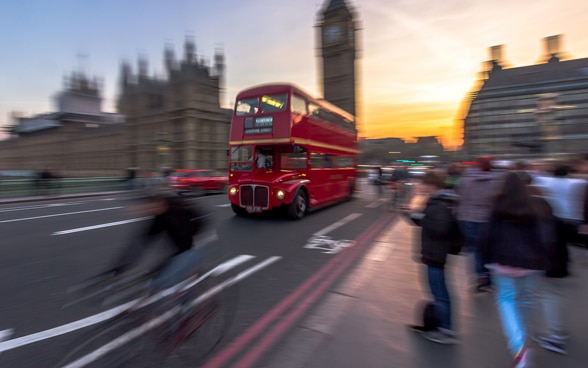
<point>289,150</point>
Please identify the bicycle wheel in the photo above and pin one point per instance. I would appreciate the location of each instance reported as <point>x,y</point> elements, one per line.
<point>204,325</point>
<point>121,343</point>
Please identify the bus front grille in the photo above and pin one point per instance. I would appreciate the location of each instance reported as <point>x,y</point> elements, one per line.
<point>255,196</point>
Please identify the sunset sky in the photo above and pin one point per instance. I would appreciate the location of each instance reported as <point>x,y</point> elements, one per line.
<point>418,57</point>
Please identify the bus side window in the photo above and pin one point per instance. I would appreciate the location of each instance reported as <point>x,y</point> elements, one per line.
<point>298,104</point>
<point>316,160</point>
<point>313,109</point>
<point>328,161</point>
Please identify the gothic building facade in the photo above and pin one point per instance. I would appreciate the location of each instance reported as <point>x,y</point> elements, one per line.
<point>77,139</point>
<point>174,122</point>
<point>177,121</point>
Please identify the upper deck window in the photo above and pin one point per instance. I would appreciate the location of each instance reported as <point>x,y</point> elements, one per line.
<point>272,103</point>
<point>247,106</point>
<point>298,104</point>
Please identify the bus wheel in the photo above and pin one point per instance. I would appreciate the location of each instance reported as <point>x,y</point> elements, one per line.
<point>239,211</point>
<point>297,209</point>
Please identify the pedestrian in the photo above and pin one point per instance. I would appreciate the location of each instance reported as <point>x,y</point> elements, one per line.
<point>566,196</point>
<point>517,256</point>
<point>439,237</point>
<point>476,188</point>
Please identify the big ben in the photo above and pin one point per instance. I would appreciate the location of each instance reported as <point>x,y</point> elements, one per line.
<point>338,49</point>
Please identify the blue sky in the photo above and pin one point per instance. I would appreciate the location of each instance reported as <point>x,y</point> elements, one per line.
<point>418,57</point>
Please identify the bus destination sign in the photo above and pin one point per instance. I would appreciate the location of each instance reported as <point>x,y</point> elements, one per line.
<point>263,125</point>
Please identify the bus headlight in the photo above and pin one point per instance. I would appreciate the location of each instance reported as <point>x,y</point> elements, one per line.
<point>280,194</point>
<point>233,191</point>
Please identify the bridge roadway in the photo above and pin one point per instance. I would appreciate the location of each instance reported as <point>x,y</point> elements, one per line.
<point>333,289</point>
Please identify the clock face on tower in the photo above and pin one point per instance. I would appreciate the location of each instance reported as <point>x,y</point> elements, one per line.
<point>333,33</point>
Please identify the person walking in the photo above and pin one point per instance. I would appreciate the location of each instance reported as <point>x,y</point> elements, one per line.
<point>439,237</point>
<point>476,188</point>
<point>566,196</point>
<point>517,256</point>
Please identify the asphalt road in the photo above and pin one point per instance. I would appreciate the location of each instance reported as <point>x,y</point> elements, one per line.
<point>46,247</point>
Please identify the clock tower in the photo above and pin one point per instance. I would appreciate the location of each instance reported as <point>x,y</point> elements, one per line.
<point>338,50</point>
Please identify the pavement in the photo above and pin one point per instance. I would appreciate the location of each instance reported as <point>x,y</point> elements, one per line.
<point>362,321</point>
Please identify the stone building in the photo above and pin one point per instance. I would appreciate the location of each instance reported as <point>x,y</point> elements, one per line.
<point>172,122</point>
<point>79,139</point>
<point>532,111</point>
<point>178,121</point>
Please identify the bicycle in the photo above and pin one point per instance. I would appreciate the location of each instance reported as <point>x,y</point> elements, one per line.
<point>185,322</point>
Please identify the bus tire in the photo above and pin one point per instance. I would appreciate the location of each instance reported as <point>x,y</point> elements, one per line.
<point>297,209</point>
<point>239,211</point>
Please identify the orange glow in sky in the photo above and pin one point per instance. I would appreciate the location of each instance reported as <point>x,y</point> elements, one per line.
<point>418,58</point>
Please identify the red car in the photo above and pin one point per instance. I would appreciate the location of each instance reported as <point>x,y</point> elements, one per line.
<point>198,182</point>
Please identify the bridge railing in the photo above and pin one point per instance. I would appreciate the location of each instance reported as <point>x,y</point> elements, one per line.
<point>27,187</point>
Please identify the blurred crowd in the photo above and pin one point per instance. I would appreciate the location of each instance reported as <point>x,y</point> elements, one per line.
<point>518,221</point>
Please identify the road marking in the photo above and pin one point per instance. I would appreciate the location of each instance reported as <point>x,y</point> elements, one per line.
<point>224,205</point>
<point>60,214</point>
<point>328,244</point>
<point>113,312</point>
<point>5,334</point>
<point>313,286</point>
<point>116,223</point>
<point>39,206</point>
<point>337,224</point>
<point>128,336</point>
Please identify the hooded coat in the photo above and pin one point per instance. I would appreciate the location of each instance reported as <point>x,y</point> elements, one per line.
<point>476,189</point>
<point>440,233</point>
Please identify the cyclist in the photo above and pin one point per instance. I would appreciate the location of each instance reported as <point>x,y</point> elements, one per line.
<point>187,232</point>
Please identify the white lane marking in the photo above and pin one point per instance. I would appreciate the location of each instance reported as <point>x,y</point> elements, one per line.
<point>116,223</point>
<point>60,214</point>
<point>5,334</point>
<point>123,339</point>
<point>39,206</point>
<point>337,224</point>
<point>224,205</point>
<point>103,316</point>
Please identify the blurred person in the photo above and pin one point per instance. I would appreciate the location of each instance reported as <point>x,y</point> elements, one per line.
<point>567,198</point>
<point>476,188</point>
<point>188,232</point>
<point>399,183</point>
<point>439,237</point>
<point>517,256</point>
<point>454,171</point>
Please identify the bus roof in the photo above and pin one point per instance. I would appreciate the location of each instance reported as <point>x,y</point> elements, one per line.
<point>283,87</point>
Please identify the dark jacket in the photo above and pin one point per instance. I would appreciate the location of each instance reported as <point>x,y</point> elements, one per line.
<point>180,222</point>
<point>524,244</point>
<point>439,232</point>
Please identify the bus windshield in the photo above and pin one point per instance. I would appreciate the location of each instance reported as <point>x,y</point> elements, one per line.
<point>269,103</point>
<point>242,158</point>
